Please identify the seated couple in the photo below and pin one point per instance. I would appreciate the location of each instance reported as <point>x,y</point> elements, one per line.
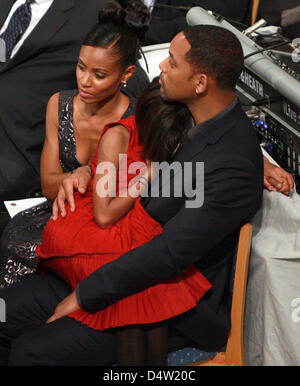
<point>126,280</point>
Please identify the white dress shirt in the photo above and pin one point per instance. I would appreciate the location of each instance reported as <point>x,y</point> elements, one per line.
<point>149,4</point>
<point>38,10</point>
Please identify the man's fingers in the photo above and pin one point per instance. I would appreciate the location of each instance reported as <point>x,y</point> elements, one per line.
<point>51,319</point>
<point>65,307</point>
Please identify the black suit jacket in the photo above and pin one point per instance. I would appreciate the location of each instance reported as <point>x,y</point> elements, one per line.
<point>271,10</point>
<point>205,236</point>
<point>44,65</point>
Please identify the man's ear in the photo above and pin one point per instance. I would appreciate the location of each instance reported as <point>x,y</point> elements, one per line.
<point>128,73</point>
<point>201,83</point>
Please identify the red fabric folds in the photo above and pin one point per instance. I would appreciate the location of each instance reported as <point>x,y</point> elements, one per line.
<point>83,247</point>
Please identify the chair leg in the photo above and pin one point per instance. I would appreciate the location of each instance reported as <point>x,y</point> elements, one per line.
<point>255,8</point>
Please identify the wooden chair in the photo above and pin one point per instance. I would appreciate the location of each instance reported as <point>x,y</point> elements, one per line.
<point>234,354</point>
<point>255,8</point>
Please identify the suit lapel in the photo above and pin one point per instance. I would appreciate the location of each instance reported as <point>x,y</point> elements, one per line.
<point>207,134</point>
<point>53,20</point>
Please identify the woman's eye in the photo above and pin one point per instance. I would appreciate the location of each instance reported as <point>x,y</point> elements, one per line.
<point>98,76</point>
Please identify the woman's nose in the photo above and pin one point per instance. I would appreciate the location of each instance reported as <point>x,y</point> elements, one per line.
<point>86,80</point>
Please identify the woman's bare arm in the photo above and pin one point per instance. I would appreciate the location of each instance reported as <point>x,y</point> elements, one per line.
<point>107,207</point>
<point>51,172</point>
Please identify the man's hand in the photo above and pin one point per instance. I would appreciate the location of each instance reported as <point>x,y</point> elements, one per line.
<point>79,180</point>
<point>65,307</point>
<point>277,179</point>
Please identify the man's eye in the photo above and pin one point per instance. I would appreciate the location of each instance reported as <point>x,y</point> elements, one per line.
<point>80,66</point>
<point>98,76</point>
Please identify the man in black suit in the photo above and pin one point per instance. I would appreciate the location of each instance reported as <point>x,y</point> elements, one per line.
<point>282,13</point>
<point>201,71</point>
<point>42,62</point>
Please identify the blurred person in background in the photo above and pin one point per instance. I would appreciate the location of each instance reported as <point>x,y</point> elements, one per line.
<point>169,16</point>
<point>285,14</point>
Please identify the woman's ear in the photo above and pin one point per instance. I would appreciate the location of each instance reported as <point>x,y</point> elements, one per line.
<point>128,73</point>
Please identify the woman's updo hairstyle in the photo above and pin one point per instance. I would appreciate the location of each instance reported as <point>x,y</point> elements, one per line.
<point>120,29</point>
<point>162,126</point>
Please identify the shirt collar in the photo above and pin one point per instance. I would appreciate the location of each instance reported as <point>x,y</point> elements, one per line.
<point>194,130</point>
<point>42,1</point>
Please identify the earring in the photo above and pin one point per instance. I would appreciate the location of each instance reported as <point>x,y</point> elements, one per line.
<point>125,84</point>
<point>197,92</point>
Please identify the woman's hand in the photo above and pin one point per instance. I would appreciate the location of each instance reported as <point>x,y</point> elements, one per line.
<point>277,179</point>
<point>79,181</point>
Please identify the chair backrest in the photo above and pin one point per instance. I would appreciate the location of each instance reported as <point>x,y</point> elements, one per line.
<point>234,348</point>
<point>234,354</point>
<point>255,7</point>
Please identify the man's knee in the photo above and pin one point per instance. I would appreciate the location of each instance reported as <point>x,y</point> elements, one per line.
<point>25,351</point>
<point>19,354</point>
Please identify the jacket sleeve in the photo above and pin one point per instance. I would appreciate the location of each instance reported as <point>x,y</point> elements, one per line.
<point>232,195</point>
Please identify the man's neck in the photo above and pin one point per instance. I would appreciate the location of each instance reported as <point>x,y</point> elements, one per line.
<point>204,109</point>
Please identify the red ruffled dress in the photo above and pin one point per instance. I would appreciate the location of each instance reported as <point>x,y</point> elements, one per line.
<point>75,246</point>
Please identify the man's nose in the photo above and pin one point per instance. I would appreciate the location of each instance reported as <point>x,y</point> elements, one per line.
<point>162,65</point>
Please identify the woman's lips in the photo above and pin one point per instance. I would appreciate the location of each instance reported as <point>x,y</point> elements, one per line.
<point>85,94</point>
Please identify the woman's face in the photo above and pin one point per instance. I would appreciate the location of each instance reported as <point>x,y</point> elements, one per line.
<point>99,75</point>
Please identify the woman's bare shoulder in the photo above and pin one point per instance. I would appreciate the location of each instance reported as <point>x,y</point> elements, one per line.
<point>52,111</point>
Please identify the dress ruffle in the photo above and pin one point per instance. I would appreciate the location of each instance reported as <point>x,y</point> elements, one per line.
<point>160,302</point>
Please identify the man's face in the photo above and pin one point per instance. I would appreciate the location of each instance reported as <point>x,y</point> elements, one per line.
<point>177,77</point>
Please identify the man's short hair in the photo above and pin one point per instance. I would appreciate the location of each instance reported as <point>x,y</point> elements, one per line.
<point>216,52</point>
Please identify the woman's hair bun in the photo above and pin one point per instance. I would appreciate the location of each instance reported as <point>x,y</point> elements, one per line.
<point>111,13</point>
<point>132,13</point>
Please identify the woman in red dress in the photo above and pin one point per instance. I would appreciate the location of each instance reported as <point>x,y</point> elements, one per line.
<point>109,219</point>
